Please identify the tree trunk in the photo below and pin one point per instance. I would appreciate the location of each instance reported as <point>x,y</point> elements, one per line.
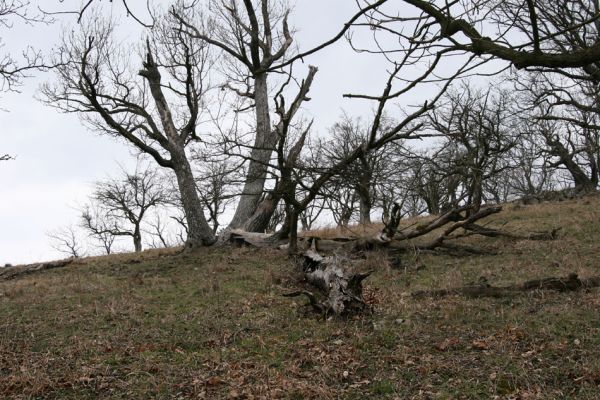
<point>365,210</point>
<point>199,232</point>
<point>476,192</point>
<point>137,239</point>
<point>264,145</point>
<point>363,189</point>
<point>259,220</point>
<point>293,233</point>
<point>582,181</point>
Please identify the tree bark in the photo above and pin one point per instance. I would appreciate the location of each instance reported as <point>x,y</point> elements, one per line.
<point>199,232</point>
<point>137,239</point>
<point>264,145</point>
<point>363,189</point>
<point>259,220</point>
<point>340,288</point>
<point>364,210</point>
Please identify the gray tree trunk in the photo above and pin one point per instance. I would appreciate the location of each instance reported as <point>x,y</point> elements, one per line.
<point>199,232</point>
<point>137,239</point>
<point>264,145</point>
<point>364,201</point>
<point>259,220</point>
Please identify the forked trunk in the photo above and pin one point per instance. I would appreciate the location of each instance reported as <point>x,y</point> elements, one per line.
<point>264,144</point>
<point>259,220</point>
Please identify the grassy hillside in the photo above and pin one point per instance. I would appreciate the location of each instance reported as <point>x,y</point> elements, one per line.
<point>214,325</point>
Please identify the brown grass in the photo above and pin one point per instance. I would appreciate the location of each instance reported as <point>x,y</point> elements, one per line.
<point>214,325</point>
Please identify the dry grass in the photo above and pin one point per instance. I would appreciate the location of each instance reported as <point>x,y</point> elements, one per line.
<point>214,325</point>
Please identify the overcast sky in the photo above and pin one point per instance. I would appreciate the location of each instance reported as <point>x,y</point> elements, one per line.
<point>57,158</point>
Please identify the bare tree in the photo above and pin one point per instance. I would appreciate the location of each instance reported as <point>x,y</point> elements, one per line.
<point>480,125</point>
<point>311,214</point>
<point>366,176</point>
<point>12,70</point>
<point>298,189</point>
<point>532,173</point>
<point>67,241</point>
<point>432,183</point>
<point>119,207</point>
<point>87,7</point>
<point>156,111</point>
<point>253,38</point>
<point>564,115</point>
<point>160,232</point>
<point>341,200</point>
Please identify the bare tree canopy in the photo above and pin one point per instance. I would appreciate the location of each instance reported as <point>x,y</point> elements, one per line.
<point>155,109</point>
<point>13,70</point>
<point>118,207</point>
<point>526,34</point>
<point>66,240</point>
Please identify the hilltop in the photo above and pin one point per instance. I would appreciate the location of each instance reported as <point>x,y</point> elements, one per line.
<point>214,324</point>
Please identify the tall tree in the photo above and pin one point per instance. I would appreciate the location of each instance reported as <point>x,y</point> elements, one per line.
<point>253,37</point>
<point>156,109</point>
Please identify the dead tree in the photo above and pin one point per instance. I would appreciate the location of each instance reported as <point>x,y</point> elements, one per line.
<point>340,292</point>
<point>120,206</point>
<point>156,111</point>
<point>483,288</point>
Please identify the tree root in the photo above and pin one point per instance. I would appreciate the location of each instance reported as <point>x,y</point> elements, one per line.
<point>340,290</point>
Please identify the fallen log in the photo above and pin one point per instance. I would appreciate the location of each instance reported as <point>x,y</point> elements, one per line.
<point>492,232</point>
<point>340,290</point>
<point>21,270</point>
<point>483,289</point>
<point>446,224</point>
